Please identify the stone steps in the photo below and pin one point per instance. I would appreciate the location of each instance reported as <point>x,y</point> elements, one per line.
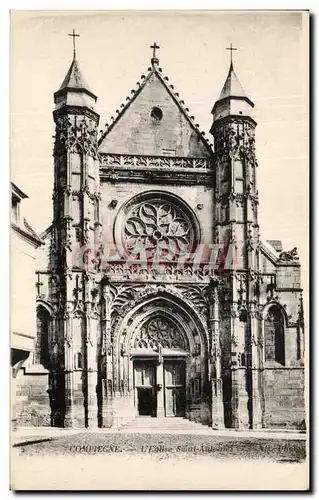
<point>163,424</point>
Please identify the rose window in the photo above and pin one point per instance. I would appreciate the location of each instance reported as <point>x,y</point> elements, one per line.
<point>159,225</point>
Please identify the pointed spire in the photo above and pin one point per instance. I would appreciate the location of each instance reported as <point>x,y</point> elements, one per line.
<point>232,86</point>
<point>74,78</point>
<point>74,90</point>
<point>232,91</point>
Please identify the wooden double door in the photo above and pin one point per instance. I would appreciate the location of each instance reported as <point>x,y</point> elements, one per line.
<point>150,394</point>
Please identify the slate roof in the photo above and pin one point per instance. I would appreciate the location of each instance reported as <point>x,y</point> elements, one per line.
<point>74,78</point>
<point>232,88</point>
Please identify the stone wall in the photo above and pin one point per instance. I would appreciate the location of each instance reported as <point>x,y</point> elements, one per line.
<point>284,398</point>
<point>32,405</point>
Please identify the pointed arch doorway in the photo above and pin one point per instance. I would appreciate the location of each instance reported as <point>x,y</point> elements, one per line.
<point>160,357</point>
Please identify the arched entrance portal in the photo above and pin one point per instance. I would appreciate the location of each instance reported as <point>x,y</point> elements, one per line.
<point>160,352</point>
<point>165,350</point>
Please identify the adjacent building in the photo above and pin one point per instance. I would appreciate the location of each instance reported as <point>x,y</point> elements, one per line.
<point>24,243</point>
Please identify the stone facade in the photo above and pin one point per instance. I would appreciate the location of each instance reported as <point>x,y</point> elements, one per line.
<point>157,296</point>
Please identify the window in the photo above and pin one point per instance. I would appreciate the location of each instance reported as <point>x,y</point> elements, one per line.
<point>158,225</point>
<point>79,361</point>
<point>41,352</point>
<point>157,114</point>
<point>275,336</point>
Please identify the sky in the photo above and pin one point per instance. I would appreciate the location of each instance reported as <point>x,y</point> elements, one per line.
<point>113,51</point>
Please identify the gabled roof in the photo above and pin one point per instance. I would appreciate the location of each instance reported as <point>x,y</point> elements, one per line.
<point>155,70</point>
<point>18,192</point>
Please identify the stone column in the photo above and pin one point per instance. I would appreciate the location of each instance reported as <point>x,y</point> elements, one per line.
<point>69,414</point>
<point>216,379</point>
<point>255,371</point>
<point>91,361</point>
<point>160,386</point>
<point>107,348</point>
<point>107,407</point>
<point>239,403</point>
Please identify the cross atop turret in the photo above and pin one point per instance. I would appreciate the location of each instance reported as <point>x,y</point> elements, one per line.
<point>231,48</point>
<point>74,35</point>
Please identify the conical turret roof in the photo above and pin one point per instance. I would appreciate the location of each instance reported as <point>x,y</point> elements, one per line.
<point>232,90</point>
<point>74,78</point>
<point>232,86</point>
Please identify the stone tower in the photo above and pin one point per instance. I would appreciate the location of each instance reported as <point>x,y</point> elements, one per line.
<point>236,230</point>
<point>75,226</point>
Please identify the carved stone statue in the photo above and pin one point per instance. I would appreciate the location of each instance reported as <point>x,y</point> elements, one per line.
<point>289,255</point>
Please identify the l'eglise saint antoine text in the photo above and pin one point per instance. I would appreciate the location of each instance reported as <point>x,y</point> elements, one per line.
<point>179,449</point>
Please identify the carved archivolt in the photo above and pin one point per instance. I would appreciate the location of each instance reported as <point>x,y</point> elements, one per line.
<point>128,296</point>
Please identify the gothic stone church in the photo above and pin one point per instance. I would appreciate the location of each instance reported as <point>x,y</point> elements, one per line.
<point>121,334</point>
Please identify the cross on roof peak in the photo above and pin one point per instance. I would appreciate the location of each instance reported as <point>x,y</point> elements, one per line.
<point>74,35</point>
<point>154,47</point>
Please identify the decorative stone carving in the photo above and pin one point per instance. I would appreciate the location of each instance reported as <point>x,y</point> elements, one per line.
<point>78,302</point>
<point>158,224</point>
<point>68,234</point>
<point>121,271</point>
<point>145,162</point>
<point>236,141</point>
<point>77,136</point>
<point>159,332</point>
<point>288,256</point>
<point>197,296</point>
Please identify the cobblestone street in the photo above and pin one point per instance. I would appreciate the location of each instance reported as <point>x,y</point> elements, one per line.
<point>163,446</point>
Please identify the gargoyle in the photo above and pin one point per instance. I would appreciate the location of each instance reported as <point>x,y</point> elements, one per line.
<point>290,255</point>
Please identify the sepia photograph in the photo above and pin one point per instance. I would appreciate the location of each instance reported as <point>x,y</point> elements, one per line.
<point>159,250</point>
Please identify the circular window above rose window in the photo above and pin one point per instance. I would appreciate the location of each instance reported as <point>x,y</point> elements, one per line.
<point>157,222</point>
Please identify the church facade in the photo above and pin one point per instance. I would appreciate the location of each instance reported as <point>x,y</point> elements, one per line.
<point>155,295</point>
